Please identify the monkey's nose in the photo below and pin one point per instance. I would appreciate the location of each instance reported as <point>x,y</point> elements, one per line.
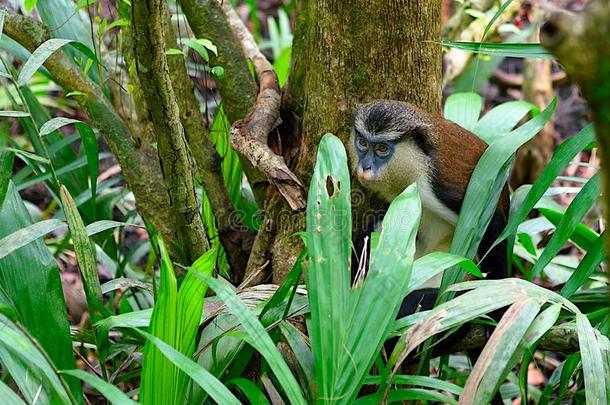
<point>366,174</point>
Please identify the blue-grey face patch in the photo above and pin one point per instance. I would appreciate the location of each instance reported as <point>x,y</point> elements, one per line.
<point>372,155</point>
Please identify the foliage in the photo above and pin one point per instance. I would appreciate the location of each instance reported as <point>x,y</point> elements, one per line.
<point>158,335</point>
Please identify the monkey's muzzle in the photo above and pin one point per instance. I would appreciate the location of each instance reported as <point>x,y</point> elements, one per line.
<point>367,176</point>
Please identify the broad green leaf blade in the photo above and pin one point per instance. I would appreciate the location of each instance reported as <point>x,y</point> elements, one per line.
<point>594,257</point>
<point>190,306</point>
<point>379,297</point>
<point>501,119</point>
<point>493,362</point>
<point>583,236</point>
<point>561,158</point>
<point>259,338</point>
<point>27,235</point>
<point>428,266</point>
<point>513,50</point>
<point>9,397</point>
<point>573,216</point>
<point>14,114</point>
<point>104,225</point>
<point>20,345</point>
<point>200,375</point>
<point>464,109</point>
<point>54,124</point>
<point>328,278</point>
<point>297,342</point>
<point>158,372</point>
<point>39,57</point>
<point>250,390</point>
<point>592,362</point>
<point>37,292</point>
<point>110,392</point>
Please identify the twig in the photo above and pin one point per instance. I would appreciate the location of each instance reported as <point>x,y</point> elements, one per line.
<point>249,135</point>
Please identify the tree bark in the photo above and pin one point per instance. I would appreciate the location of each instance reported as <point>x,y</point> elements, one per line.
<point>148,24</point>
<point>344,54</point>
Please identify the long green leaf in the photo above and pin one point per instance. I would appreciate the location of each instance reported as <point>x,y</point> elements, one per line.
<point>592,362</point>
<point>42,53</point>
<point>259,338</point>
<point>572,218</point>
<point>109,391</point>
<point>85,252</point>
<point>9,396</point>
<point>583,236</point>
<point>501,119</point>
<point>378,299</point>
<point>37,292</point>
<point>464,109</point>
<point>493,362</point>
<point>158,372</point>
<point>19,344</point>
<point>89,142</point>
<point>561,158</point>
<point>504,49</point>
<point>594,257</point>
<point>484,189</point>
<point>329,227</point>
<point>28,234</point>
<point>200,375</point>
<point>251,391</point>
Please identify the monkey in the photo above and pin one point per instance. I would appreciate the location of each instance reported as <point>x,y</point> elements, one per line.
<point>394,144</point>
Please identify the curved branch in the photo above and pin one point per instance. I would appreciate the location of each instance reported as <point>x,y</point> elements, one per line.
<point>249,136</point>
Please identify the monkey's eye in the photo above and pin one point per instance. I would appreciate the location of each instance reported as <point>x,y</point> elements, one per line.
<point>363,143</point>
<point>382,149</point>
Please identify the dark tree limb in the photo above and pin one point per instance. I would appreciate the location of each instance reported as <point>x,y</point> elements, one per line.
<point>561,338</point>
<point>580,43</point>
<point>148,24</point>
<point>139,163</point>
<point>249,136</point>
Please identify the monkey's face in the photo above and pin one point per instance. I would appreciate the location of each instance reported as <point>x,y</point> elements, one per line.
<point>388,146</point>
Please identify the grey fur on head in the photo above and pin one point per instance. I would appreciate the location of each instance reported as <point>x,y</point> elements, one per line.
<point>393,121</point>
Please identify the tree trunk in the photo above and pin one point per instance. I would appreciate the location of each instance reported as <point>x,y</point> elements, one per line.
<point>345,53</point>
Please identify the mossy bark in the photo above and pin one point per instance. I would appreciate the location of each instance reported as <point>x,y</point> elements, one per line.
<point>148,24</point>
<point>345,53</point>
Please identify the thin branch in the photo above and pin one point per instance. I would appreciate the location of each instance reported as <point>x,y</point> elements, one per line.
<point>249,136</point>
<point>149,19</point>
